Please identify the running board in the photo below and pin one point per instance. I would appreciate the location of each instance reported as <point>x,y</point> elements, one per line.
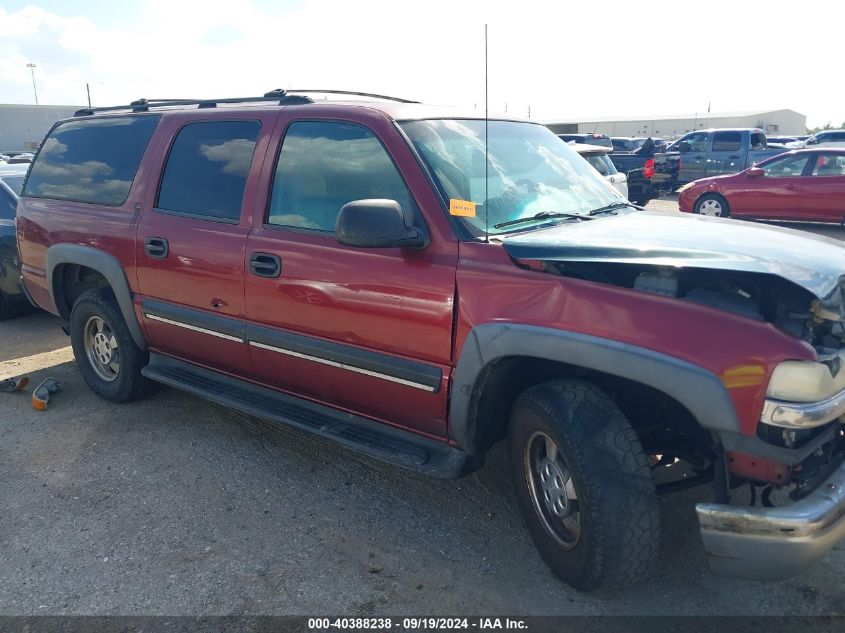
<point>371,438</point>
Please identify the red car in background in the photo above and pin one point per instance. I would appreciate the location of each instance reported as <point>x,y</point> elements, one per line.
<point>806,185</point>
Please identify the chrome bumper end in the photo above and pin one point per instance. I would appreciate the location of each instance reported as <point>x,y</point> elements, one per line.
<point>803,415</point>
<point>774,543</point>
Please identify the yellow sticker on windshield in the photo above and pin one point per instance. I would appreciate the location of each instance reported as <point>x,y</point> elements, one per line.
<point>463,208</point>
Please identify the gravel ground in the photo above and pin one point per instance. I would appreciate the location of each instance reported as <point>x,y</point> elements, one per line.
<point>174,506</point>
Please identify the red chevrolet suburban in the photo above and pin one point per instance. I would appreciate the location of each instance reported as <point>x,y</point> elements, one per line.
<point>417,284</point>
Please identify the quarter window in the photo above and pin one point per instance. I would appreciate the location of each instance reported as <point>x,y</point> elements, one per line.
<point>93,160</point>
<point>322,166</point>
<point>207,169</point>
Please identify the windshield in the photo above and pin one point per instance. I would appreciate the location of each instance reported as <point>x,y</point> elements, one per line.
<point>529,171</point>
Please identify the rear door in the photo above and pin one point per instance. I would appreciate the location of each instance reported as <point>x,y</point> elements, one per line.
<point>725,155</point>
<point>823,189</point>
<point>363,330</point>
<point>191,239</point>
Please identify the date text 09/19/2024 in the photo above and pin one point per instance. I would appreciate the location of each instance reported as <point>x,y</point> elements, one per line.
<point>416,624</point>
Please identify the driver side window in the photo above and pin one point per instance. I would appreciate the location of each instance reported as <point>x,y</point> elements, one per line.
<point>697,142</point>
<point>790,167</point>
<point>325,164</point>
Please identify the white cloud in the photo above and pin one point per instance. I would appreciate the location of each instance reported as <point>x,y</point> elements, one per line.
<point>614,57</point>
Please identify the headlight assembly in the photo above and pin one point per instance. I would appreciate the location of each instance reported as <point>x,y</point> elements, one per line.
<point>804,381</point>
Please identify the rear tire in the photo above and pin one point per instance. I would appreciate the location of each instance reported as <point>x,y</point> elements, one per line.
<point>572,452</point>
<point>713,205</point>
<point>106,354</point>
<point>12,306</point>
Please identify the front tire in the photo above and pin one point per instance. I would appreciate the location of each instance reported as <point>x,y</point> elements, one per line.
<point>713,205</point>
<point>584,485</point>
<point>108,358</point>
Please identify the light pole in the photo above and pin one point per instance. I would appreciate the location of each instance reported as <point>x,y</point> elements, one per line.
<point>32,70</point>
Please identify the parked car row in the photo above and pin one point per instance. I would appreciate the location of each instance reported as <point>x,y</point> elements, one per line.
<point>21,157</point>
<point>647,172</point>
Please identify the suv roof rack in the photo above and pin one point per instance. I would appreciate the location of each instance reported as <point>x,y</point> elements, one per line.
<point>283,97</point>
<point>351,93</point>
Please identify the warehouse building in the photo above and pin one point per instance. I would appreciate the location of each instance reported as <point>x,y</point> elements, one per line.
<point>773,122</point>
<point>22,127</point>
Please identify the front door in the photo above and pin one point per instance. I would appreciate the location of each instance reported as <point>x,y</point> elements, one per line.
<point>773,195</point>
<point>191,243</point>
<point>694,160</point>
<point>362,330</point>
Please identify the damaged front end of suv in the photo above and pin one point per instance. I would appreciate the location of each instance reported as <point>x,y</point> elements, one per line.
<point>791,280</point>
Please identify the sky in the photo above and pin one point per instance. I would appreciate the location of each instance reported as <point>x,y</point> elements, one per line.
<point>560,59</point>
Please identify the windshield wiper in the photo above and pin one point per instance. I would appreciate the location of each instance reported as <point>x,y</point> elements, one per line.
<point>615,205</point>
<point>542,215</point>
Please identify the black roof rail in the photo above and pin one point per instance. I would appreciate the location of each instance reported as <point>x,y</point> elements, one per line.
<point>144,105</point>
<point>283,97</point>
<point>354,94</point>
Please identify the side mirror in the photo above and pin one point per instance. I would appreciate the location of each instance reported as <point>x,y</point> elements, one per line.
<point>812,141</point>
<point>683,147</point>
<point>376,223</point>
<point>754,172</point>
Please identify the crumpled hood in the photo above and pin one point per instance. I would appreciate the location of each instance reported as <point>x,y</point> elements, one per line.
<point>692,241</point>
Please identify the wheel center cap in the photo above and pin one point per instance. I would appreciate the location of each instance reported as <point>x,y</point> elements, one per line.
<point>102,347</point>
<point>553,482</point>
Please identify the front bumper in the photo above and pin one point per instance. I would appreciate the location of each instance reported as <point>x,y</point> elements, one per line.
<point>774,543</point>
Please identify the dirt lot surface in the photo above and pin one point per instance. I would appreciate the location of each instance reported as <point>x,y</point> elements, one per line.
<point>175,506</point>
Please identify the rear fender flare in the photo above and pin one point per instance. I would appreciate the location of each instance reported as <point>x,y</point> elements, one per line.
<point>696,388</point>
<point>105,264</point>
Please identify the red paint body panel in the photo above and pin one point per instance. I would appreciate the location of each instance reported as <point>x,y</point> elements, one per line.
<point>799,198</point>
<point>491,288</point>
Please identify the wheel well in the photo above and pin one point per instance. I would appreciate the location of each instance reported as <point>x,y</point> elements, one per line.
<point>711,194</point>
<point>70,281</point>
<point>658,419</point>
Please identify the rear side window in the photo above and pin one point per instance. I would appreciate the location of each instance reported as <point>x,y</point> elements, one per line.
<point>758,140</point>
<point>92,160</point>
<point>727,141</point>
<point>322,166</point>
<point>602,164</point>
<point>207,169</point>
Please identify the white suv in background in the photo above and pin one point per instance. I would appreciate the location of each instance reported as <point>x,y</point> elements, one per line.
<point>596,155</point>
<point>825,138</point>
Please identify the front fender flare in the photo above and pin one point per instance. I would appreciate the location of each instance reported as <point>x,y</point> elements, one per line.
<point>696,388</point>
<point>105,264</point>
